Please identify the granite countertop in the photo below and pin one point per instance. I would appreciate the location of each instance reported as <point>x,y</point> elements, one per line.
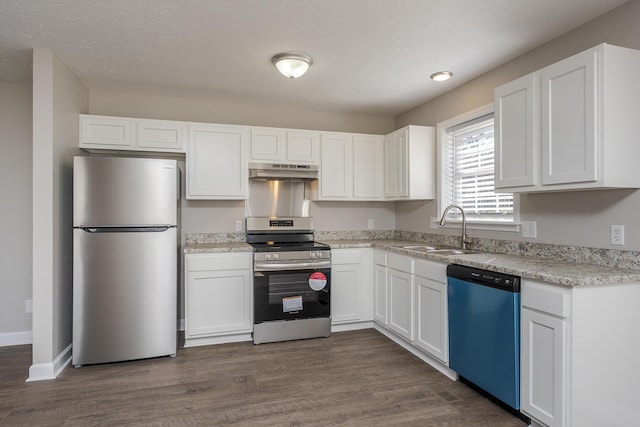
<point>207,248</point>
<point>547,270</point>
<point>528,267</point>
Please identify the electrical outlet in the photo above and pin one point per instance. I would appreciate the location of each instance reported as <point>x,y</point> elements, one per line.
<point>238,225</point>
<point>370,224</point>
<point>529,229</point>
<point>617,235</point>
<point>28,306</point>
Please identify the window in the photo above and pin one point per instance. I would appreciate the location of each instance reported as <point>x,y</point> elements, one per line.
<point>467,169</point>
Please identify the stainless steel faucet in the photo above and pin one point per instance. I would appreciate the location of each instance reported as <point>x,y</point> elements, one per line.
<point>443,220</point>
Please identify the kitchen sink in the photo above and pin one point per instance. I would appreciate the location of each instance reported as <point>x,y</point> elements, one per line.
<point>420,247</point>
<point>440,250</point>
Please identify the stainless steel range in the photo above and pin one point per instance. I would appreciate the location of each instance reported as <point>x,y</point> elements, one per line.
<point>292,280</point>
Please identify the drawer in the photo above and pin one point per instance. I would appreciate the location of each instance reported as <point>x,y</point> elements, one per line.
<point>380,258</point>
<point>545,298</point>
<point>219,261</point>
<point>401,263</point>
<point>431,270</point>
<point>347,256</point>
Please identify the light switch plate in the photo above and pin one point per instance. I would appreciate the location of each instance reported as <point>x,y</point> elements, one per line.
<point>370,224</point>
<point>529,229</point>
<point>238,225</point>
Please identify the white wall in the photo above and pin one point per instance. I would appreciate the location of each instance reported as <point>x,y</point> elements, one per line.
<point>15,205</point>
<point>58,98</point>
<point>232,111</point>
<point>571,218</point>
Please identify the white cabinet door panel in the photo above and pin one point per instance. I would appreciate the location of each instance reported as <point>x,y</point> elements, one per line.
<point>569,120</point>
<point>217,162</point>
<point>543,368</point>
<point>517,133</point>
<point>401,303</point>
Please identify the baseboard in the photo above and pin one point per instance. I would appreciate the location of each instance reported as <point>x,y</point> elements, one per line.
<point>50,370</point>
<point>16,338</point>
<point>351,326</point>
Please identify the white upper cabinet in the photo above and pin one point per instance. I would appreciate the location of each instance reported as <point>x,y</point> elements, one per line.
<point>284,146</point>
<point>123,133</point>
<point>571,125</point>
<point>368,167</point>
<point>351,167</point>
<point>217,165</point>
<point>517,135</point>
<point>409,164</point>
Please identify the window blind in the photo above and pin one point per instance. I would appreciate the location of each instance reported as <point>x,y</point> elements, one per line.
<point>471,171</point>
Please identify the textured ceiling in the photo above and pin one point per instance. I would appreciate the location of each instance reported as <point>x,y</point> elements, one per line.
<point>370,56</point>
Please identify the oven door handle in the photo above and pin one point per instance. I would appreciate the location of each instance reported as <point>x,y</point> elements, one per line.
<point>290,266</point>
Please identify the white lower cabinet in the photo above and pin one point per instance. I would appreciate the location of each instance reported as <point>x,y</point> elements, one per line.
<point>544,352</point>
<point>431,314</point>
<point>351,291</point>
<point>218,298</point>
<point>400,282</point>
<point>579,357</point>
<point>380,288</point>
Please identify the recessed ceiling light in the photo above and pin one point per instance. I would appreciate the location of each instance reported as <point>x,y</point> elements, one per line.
<point>292,65</point>
<point>441,76</point>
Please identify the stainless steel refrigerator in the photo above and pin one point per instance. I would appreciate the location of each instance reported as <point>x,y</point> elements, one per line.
<point>125,255</point>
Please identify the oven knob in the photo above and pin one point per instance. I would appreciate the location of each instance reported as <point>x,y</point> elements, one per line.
<point>313,255</point>
<point>275,256</point>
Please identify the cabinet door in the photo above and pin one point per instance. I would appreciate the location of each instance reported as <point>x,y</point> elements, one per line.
<point>106,132</point>
<point>543,367</point>
<point>401,303</point>
<point>268,144</point>
<point>380,295</point>
<point>431,317</point>
<point>569,93</point>
<point>161,135</point>
<point>390,167</point>
<point>345,293</point>
<point>217,162</point>
<point>402,162</point>
<point>336,166</point>
<point>303,147</point>
<point>368,167</point>
<point>218,302</point>
<point>517,130</point>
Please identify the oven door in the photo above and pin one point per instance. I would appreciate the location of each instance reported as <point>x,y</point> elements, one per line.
<point>291,294</point>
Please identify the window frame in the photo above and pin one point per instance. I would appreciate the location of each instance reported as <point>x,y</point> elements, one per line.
<point>443,178</point>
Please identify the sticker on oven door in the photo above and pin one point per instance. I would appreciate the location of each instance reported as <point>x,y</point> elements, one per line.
<point>290,304</point>
<point>317,281</point>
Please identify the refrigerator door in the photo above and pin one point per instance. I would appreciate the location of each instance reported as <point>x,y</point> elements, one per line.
<point>124,295</point>
<point>118,191</point>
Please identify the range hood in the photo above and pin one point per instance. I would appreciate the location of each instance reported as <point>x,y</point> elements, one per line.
<point>278,171</point>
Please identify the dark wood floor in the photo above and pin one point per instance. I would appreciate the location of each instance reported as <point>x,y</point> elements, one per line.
<point>356,378</point>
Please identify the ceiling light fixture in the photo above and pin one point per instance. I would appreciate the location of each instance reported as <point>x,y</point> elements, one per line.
<point>292,65</point>
<point>441,76</point>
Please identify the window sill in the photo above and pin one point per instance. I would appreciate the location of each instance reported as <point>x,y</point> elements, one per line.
<point>511,227</point>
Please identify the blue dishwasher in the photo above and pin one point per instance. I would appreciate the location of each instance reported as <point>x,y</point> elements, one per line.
<point>484,330</point>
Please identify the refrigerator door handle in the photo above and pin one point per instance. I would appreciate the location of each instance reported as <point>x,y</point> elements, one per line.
<point>125,229</point>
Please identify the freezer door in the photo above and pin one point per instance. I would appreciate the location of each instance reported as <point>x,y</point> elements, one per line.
<point>124,295</point>
<point>117,191</point>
